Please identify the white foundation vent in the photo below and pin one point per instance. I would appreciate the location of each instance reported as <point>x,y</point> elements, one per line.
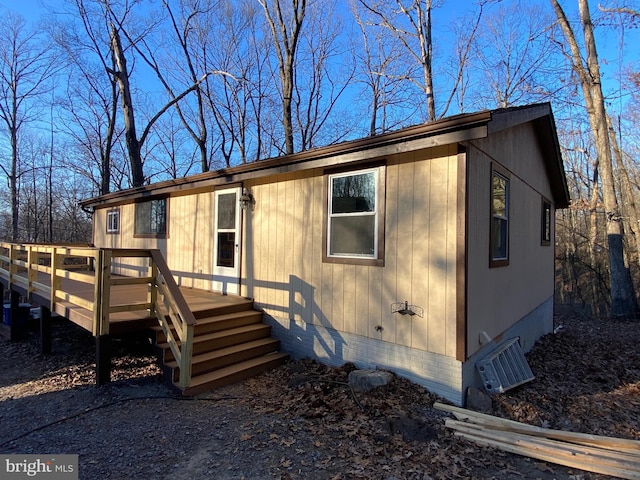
<point>504,368</point>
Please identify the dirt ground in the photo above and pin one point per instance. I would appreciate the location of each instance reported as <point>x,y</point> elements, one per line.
<point>302,421</point>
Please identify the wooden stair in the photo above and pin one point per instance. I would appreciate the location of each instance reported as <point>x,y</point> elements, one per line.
<point>230,343</point>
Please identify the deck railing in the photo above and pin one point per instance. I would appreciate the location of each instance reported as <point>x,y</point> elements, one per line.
<point>41,269</point>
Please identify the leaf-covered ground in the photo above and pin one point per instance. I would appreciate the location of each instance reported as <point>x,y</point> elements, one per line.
<point>302,421</point>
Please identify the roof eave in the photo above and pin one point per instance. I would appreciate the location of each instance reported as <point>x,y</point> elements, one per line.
<point>452,129</point>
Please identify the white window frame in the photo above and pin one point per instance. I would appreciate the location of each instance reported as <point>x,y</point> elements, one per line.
<point>375,214</point>
<point>113,220</point>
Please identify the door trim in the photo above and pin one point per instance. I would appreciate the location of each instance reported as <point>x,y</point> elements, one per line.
<point>226,279</point>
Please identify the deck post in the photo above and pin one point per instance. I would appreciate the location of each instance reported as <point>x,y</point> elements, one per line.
<point>45,330</point>
<point>32,269</point>
<point>14,314</point>
<point>152,294</point>
<point>56,282</point>
<point>13,268</point>
<point>102,299</point>
<point>103,359</point>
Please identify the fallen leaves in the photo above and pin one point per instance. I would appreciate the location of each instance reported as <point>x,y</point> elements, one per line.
<point>302,421</point>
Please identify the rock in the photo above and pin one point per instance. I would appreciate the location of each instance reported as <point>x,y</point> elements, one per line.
<point>363,380</point>
<point>478,400</point>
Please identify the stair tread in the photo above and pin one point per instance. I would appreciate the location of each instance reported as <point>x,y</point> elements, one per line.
<point>228,316</point>
<point>221,352</point>
<point>245,305</point>
<point>236,368</point>
<point>224,333</point>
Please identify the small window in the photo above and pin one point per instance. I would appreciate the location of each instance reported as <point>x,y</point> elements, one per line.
<point>499,233</point>
<point>151,218</point>
<point>113,221</point>
<point>545,231</point>
<point>353,226</point>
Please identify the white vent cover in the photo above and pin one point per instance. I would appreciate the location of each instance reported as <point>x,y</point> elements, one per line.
<point>504,368</point>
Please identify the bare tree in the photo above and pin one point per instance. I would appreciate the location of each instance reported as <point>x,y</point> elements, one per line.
<point>410,22</point>
<point>26,65</point>
<point>514,54</point>
<point>320,82</point>
<point>585,65</point>
<point>236,104</point>
<point>286,27</point>
<point>377,55</point>
<point>90,103</point>
<point>121,74</point>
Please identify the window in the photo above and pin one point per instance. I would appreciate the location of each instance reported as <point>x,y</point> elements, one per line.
<point>113,221</point>
<point>151,218</point>
<point>545,231</point>
<point>499,234</point>
<point>353,227</point>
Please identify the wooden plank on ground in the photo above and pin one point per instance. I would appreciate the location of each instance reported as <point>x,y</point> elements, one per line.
<point>588,455</point>
<point>611,443</point>
<point>551,457</point>
<point>607,455</point>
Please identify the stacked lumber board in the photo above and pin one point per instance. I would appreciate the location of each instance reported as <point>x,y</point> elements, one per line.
<point>594,453</point>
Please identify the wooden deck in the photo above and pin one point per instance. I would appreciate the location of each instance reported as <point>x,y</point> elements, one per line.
<point>204,339</point>
<point>127,321</point>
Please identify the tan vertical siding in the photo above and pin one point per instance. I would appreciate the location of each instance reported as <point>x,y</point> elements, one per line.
<point>404,214</point>
<point>282,264</point>
<point>420,255</point>
<point>390,270</point>
<point>420,271</point>
<point>497,297</point>
<point>313,209</point>
<point>190,246</point>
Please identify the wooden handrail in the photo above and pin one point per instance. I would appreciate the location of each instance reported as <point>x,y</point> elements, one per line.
<point>164,300</point>
<point>180,315</point>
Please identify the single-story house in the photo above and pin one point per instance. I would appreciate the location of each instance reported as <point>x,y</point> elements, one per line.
<point>416,251</point>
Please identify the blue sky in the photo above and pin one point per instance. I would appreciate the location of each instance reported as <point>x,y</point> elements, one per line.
<point>608,39</point>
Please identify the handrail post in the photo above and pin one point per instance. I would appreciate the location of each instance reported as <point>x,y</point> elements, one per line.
<point>102,290</point>
<point>56,282</point>
<point>186,354</point>
<point>97,295</point>
<point>32,273</point>
<point>152,294</point>
<point>101,311</point>
<point>13,267</point>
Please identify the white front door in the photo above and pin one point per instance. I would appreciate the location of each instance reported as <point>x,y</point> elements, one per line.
<point>226,243</point>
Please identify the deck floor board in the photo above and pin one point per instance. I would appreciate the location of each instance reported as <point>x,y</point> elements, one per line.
<point>122,322</point>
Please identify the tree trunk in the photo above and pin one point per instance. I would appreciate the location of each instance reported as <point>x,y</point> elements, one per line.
<point>629,202</point>
<point>426,49</point>
<point>623,301</point>
<point>13,183</point>
<point>286,43</point>
<point>131,137</point>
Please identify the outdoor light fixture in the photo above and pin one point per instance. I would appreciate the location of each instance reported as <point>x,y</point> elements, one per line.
<point>403,308</point>
<point>247,202</point>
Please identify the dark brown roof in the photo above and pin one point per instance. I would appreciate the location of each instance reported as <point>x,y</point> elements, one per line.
<point>448,130</point>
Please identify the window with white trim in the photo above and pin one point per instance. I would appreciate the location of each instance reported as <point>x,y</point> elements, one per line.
<point>353,215</point>
<point>113,221</point>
